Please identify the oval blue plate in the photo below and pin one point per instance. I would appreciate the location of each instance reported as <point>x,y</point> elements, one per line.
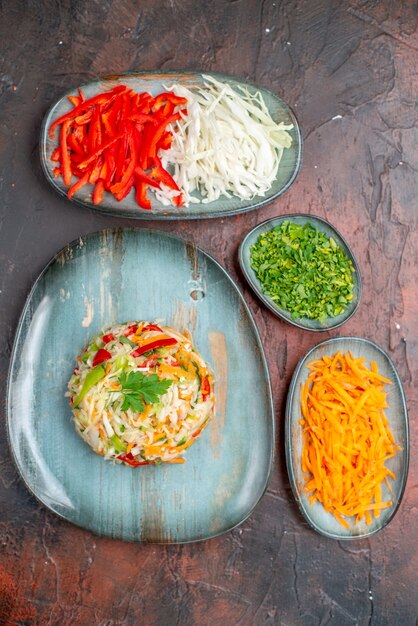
<point>154,83</point>
<point>115,276</point>
<point>322,225</point>
<point>316,516</point>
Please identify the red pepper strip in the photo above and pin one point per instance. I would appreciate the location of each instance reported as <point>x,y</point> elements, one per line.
<point>205,387</point>
<point>131,330</point>
<point>94,136</point>
<point>80,120</point>
<point>75,100</point>
<point>141,195</point>
<point>143,119</point>
<point>168,96</point>
<point>98,192</point>
<point>145,178</point>
<point>74,145</point>
<point>159,133</point>
<point>65,157</point>
<point>111,167</point>
<point>178,200</point>
<point>101,97</point>
<point>122,194</point>
<point>152,327</point>
<point>78,185</point>
<point>56,155</point>
<point>95,172</point>
<point>163,176</point>
<point>146,141</point>
<point>57,172</point>
<point>95,154</point>
<point>81,94</point>
<point>129,460</point>
<point>102,355</point>
<point>171,96</point>
<point>158,343</point>
<point>165,141</point>
<point>107,338</point>
<point>120,187</point>
<point>80,135</point>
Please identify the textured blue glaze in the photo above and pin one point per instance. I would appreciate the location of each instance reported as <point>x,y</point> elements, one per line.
<point>322,225</point>
<point>117,276</point>
<point>155,83</point>
<point>323,522</point>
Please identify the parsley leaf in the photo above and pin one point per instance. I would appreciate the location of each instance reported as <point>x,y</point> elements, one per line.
<point>138,389</point>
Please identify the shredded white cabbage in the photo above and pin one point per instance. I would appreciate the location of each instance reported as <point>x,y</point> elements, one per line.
<point>228,144</point>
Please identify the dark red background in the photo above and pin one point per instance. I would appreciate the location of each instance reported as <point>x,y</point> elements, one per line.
<point>356,59</point>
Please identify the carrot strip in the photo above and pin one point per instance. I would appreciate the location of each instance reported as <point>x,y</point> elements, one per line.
<point>346,437</point>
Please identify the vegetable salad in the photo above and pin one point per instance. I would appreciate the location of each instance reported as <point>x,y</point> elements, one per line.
<point>141,394</point>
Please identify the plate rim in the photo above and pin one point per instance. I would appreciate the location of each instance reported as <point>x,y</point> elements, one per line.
<point>288,445</point>
<point>145,215</point>
<point>267,301</point>
<point>14,354</point>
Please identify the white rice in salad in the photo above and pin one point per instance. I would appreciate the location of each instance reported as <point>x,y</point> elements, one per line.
<point>141,394</point>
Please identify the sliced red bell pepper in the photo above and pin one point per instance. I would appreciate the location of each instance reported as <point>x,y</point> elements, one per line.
<point>160,130</point>
<point>101,356</point>
<point>99,151</point>
<point>158,343</point>
<point>163,176</point>
<point>141,195</point>
<point>114,138</point>
<point>151,327</point>
<point>56,155</point>
<point>131,330</point>
<point>65,157</point>
<point>74,144</point>
<point>107,338</point>
<point>120,187</point>
<point>144,178</point>
<point>205,387</point>
<point>78,185</point>
<point>82,107</point>
<point>130,460</point>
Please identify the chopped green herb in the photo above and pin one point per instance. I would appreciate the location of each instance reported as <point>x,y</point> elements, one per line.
<point>138,389</point>
<point>303,271</point>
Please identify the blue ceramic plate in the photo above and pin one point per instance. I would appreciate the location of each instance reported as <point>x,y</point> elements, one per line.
<point>303,322</point>
<point>321,521</point>
<point>154,83</point>
<point>115,276</point>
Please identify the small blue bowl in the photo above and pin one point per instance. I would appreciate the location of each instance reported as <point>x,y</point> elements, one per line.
<point>303,322</point>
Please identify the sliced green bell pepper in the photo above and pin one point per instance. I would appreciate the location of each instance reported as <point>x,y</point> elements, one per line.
<point>92,378</point>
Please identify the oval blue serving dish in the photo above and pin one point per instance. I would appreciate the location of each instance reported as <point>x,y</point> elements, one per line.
<point>154,83</point>
<point>316,516</point>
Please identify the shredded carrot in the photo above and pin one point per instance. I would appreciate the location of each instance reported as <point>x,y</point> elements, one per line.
<point>346,437</point>
<point>129,447</point>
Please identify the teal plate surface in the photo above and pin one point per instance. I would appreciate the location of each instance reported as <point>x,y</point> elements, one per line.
<point>115,276</point>
<point>154,83</point>
<point>320,520</point>
<point>322,225</point>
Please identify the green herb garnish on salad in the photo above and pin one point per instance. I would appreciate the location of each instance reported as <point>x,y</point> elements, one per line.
<point>139,389</point>
<point>303,271</point>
